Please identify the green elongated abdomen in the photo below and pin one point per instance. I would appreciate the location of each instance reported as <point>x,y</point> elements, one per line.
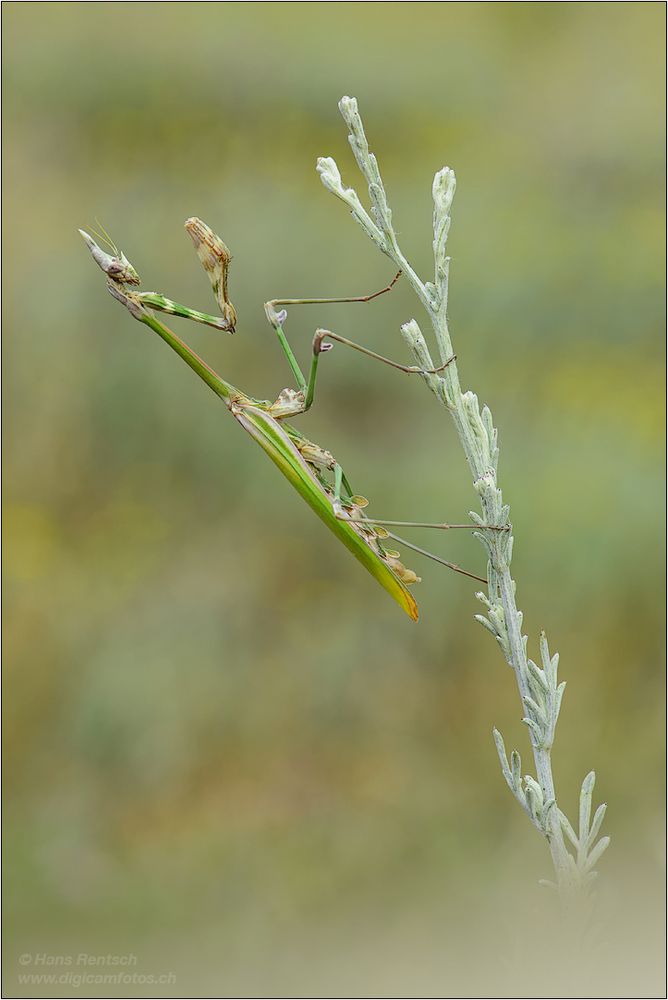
<point>275,442</point>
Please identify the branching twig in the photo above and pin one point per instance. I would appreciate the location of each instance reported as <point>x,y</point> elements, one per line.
<point>538,686</point>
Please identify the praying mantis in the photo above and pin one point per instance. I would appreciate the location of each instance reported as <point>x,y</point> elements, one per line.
<point>311,470</point>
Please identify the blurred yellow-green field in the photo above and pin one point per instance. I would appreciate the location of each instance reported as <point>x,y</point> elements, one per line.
<point>229,756</point>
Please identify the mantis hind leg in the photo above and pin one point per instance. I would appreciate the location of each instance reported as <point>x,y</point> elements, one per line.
<point>320,345</point>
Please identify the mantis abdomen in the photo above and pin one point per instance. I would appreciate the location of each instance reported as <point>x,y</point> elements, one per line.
<point>357,538</point>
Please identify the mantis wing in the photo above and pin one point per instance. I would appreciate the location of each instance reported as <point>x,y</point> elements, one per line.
<point>275,442</point>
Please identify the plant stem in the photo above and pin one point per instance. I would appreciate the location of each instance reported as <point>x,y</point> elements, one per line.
<point>453,399</point>
<point>537,685</point>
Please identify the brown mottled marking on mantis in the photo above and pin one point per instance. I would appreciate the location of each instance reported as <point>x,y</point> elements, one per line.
<point>215,258</point>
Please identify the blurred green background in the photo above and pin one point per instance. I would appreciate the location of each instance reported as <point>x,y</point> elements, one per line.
<point>228,752</point>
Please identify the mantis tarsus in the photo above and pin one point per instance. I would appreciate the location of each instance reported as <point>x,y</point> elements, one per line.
<point>312,470</point>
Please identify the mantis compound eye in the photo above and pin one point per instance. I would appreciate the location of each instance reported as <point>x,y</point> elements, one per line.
<point>121,270</point>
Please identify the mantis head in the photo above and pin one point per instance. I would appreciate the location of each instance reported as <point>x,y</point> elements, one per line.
<point>115,265</point>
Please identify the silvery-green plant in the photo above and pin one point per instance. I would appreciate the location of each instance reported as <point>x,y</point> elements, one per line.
<point>539,688</point>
